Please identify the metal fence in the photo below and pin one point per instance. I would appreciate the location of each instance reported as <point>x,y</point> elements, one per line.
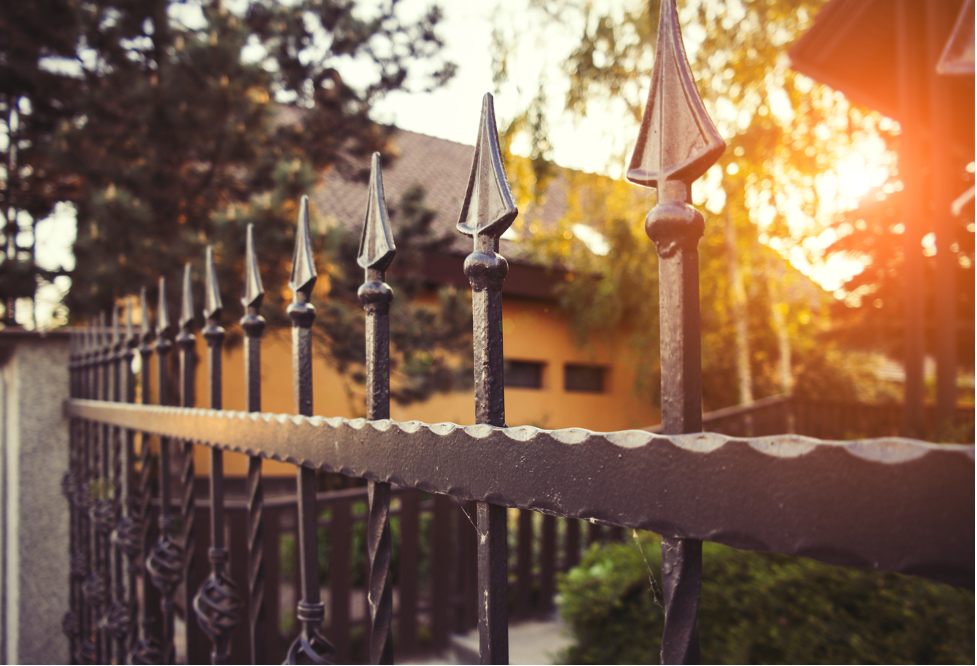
<point>892,504</point>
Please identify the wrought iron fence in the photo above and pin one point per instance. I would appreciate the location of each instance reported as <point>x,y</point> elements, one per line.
<point>893,504</point>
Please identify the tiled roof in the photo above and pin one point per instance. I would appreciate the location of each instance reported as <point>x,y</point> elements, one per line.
<point>441,167</point>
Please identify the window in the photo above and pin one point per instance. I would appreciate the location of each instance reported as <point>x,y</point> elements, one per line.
<point>524,374</point>
<point>584,378</point>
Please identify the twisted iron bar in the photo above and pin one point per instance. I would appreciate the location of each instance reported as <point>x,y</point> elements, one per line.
<point>147,648</point>
<point>677,143</point>
<point>217,603</point>
<point>377,250</point>
<point>489,209</point>
<point>254,325</point>
<point>187,343</point>
<point>164,565</point>
<point>310,644</point>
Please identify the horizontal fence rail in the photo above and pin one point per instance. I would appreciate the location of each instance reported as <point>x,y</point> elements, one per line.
<point>896,504</point>
<point>137,563</point>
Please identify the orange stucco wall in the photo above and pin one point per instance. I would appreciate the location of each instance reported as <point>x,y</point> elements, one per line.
<point>533,331</point>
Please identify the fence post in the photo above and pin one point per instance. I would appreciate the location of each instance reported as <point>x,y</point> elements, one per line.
<point>165,562</point>
<point>677,143</point>
<point>217,604</point>
<point>35,561</point>
<point>310,643</point>
<point>377,250</point>
<point>254,325</point>
<point>489,209</point>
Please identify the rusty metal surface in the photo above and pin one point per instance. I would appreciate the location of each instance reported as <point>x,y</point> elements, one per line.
<point>677,143</point>
<point>310,645</point>
<point>254,325</point>
<point>487,212</point>
<point>217,603</point>
<point>377,250</point>
<point>895,504</point>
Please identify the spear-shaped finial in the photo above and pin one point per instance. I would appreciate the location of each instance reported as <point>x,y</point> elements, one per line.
<point>130,333</point>
<point>303,263</point>
<point>377,247</point>
<point>677,142</point>
<point>163,326</point>
<point>116,340</point>
<point>186,311</point>
<point>254,292</point>
<point>212,297</point>
<point>100,332</point>
<point>145,330</point>
<point>489,208</point>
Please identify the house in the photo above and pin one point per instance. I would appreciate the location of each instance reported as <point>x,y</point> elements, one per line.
<point>551,382</point>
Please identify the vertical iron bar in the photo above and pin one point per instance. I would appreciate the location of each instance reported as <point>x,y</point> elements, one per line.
<point>101,507</point>
<point>165,562</point>
<point>254,324</point>
<point>117,618</point>
<point>310,643</point>
<point>84,563</point>
<point>217,604</point>
<point>376,252</point>
<point>677,143</point>
<point>71,621</point>
<point>489,209</point>
<point>128,532</point>
<point>187,342</point>
<point>147,649</point>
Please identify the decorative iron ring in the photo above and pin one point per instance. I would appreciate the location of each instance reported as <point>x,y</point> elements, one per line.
<point>102,513</point>
<point>311,645</point>
<point>147,651</point>
<point>94,588</point>
<point>127,535</point>
<point>165,565</point>
<point>117,621</point>
<point>70,624</point>
<point>218,606</point>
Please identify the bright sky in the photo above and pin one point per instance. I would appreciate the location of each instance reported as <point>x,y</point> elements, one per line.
<point>598,143</point>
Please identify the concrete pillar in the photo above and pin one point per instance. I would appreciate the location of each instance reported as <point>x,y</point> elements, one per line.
<point>34,556</point>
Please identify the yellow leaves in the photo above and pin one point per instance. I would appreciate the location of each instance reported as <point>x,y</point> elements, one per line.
<point>258,95</point>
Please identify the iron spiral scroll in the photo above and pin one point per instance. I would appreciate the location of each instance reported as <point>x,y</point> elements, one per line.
<point>218,605</point>
<point>165,566</point>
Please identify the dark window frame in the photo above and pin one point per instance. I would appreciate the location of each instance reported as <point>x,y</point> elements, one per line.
<point>585,378</point>
<point>519,373</point>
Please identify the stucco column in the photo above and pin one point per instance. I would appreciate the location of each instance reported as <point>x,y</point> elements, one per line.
<point>34,515</point>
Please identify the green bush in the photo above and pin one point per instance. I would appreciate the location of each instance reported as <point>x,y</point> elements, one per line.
<point>763,609</point>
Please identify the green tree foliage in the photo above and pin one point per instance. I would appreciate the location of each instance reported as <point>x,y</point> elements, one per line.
<point>783,132</point>
<point>759,608</point>
<point>34,102</point>
<point>871,314</point>
<point>188,120</point>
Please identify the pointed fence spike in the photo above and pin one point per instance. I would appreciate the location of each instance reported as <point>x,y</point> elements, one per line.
<point>186,310</point>
<point>145,331</point>
<point>130,333</point>
<point>489,208</point>
<point>100,332</point>
<point>303,263</point>
<point>677,141</point>
<point>254,292</point>
<point>115,326</point>
<point>377,248</point>
<point>163,315</point>
<point>212,297</point>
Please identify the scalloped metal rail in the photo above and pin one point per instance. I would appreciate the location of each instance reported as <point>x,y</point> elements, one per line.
<point>895,504</point>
